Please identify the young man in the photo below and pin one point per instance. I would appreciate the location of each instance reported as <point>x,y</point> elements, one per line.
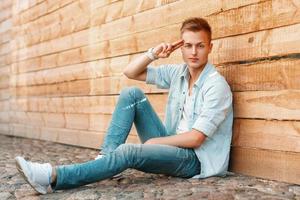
<point>193,142</point>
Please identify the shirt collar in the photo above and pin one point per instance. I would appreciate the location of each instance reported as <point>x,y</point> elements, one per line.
<point>202,76</point>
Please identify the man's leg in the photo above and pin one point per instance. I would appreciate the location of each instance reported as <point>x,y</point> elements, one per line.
<point>159,159</point>
<point>132,107</point>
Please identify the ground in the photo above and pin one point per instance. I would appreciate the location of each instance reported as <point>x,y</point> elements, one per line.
<point>132,184</point>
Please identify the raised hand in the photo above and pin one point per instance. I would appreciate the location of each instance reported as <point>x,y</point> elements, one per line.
<point>164,50</point>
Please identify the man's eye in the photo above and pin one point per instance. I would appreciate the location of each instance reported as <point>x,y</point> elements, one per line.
<point>187,46</point>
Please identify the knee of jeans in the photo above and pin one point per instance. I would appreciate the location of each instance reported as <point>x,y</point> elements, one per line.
<point>133,91</point>
<point>129,151</point>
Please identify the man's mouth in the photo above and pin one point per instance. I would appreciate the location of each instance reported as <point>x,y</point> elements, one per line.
<point>193,59</point>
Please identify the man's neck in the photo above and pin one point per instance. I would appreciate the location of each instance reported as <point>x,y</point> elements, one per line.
<point>194,74</point>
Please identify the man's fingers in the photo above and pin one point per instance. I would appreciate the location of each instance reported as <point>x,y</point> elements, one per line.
<point>177,42</point>
<point>169,47</point>
<point>177,45</point>
<point>164,47</point>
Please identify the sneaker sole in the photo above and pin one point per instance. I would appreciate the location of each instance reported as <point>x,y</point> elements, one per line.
<point>37,188</point>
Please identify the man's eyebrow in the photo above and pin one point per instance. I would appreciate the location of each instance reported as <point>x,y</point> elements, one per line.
<point>196,43</point>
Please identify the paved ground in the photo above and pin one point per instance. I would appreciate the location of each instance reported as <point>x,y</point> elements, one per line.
<point>132,184</point>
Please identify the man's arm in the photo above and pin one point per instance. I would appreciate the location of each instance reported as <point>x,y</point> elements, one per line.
<point>137,69</point>
<point>190,139</point>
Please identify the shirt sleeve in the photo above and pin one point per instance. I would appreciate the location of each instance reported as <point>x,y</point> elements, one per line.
<point>217,102</point>
<point>161,76</point>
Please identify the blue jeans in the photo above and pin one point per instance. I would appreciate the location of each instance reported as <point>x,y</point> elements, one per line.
<point>132,107</point>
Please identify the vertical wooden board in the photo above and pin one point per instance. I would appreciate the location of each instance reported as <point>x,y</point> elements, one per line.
<point>276,165</point>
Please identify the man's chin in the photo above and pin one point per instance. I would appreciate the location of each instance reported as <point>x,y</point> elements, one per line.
<point>194,65</point>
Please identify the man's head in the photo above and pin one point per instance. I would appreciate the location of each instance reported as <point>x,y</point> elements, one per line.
<point>196,34</point>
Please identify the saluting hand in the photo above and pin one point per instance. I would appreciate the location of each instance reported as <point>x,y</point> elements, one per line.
<point>164,50</point>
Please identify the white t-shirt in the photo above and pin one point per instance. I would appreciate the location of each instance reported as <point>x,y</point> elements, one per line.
<point>187,114</point>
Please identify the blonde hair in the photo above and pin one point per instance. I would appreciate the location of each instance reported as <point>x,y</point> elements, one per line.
<point>196,24</point>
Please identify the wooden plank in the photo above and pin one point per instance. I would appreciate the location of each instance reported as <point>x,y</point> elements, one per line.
<point>257,16</point>
<point>111,12</point>
<point>4,82</point>
<point>5,37</point>
<point>5,5</point>
<point>275,165</point>
<point>4,46</point>
<point>98,86</point>
<point>83,105</point>
<point>280,105</point>
<point>267,75</point>
<point>5,25</point>
<point>4,105</point>
<point>87,122</point>
<point>270,8</point>
<point>4,94</point>
<point>5,60</point>
<point>267,43</point>
<point>4,116</point>
<point>243,14</point>
<point>4,128</point>
<point>275,42</point>
<point>262,134</point>
<point>56,43</point>
<point>67,136</point>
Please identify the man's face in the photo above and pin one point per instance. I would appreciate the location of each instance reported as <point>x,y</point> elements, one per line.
<point>196,48</point>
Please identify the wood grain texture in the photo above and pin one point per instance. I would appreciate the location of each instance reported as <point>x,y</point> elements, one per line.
<point>280,105</point>
<point>263,134</point>
<point>275,165</point>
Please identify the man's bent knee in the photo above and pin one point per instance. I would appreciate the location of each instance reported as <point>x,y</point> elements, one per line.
<point>133,91</point>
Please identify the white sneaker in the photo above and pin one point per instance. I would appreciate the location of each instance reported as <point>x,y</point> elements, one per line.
<point>36,174</point>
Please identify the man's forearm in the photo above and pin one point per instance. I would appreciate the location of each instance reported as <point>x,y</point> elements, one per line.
<point>191,139</point>
<point>137,66</point>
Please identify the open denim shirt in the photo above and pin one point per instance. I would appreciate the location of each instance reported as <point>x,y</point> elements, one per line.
<point>213,114</point>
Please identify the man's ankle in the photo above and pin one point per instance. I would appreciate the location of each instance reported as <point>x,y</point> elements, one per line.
<point>53,175</point>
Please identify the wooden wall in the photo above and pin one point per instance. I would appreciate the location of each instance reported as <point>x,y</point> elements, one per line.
<point>61,65</point>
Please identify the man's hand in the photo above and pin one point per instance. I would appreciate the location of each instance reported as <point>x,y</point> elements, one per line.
<point>164,50</point>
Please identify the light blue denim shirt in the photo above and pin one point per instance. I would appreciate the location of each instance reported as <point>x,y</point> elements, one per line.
<point>212,115</point>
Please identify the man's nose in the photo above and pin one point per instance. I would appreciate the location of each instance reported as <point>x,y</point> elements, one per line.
<point>194,50</point>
